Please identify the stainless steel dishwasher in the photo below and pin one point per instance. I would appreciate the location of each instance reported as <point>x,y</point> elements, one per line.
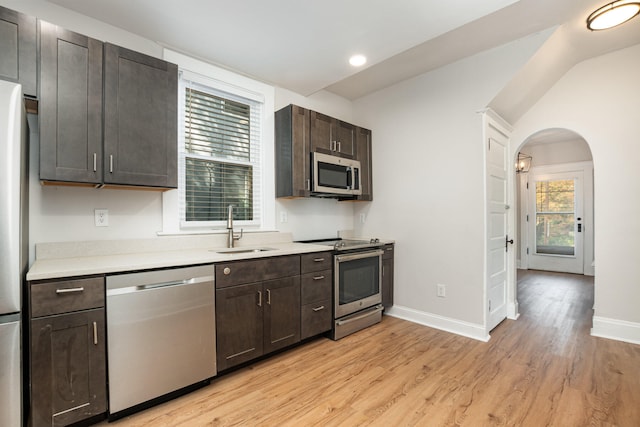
<point>161,333</point>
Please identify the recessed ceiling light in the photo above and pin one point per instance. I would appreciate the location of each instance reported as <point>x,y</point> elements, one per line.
<point>613,14</point>
<point>358,60</point>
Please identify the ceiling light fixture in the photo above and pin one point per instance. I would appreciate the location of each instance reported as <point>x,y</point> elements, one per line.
<point>613,14</point>
<point>358,60</point>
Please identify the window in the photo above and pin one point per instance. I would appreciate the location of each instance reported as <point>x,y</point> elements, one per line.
<point>555,217</point>
<point>219,152</point>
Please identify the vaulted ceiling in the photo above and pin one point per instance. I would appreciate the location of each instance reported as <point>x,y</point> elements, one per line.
<point>304,45</point>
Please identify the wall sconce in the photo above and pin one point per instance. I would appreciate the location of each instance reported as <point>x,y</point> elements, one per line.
<point>524,163</point>
<point>613,14</point>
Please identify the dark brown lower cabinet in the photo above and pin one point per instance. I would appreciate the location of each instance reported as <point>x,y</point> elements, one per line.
<point>387,276</point>
<point>281,313</point>
<point>68,368</point>
<point>256,319</point>
<point>239,333</point>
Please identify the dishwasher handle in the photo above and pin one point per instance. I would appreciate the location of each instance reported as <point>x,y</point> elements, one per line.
<point>151,286</point>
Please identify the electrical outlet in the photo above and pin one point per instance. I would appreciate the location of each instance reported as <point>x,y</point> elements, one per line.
<point>441,290</point>
<point>283,216</point>
<point>102,217</point>
<point>362,218</point>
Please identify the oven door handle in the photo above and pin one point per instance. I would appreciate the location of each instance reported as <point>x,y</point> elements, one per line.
<point>359,255</point>
<point>362,315</point>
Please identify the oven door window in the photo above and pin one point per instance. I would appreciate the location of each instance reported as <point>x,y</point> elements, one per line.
<point>334,176</point>
<point>358,279</point>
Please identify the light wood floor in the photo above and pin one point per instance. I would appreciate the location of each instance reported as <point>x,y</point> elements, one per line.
<point>542,370</point>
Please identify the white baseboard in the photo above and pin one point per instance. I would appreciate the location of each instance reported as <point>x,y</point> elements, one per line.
<point>466,329</point>
<point>614,329</point>
<point>513,310</point>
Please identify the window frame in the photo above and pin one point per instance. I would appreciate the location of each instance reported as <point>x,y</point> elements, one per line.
<point>186,81</point>
<point>239,86</point>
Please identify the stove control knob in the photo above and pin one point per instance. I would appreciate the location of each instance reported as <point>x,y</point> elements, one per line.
<point>376,240</point>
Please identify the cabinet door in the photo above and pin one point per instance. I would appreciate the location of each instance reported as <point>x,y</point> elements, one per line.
<point>363,155</point>
<point>293,174</point>
<point>140,119</point>
<point>238,324</point>
<point>68,368</point>
<point>346,139</point>
<point>70,107</point>
<point>387,276</point>
<point>322,134</point>
<point>18,50</point>
<point>282,313</point>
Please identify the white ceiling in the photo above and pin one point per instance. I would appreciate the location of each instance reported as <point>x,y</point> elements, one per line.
<point>304,45</point>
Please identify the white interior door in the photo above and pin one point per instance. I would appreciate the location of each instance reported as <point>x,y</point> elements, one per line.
<point>556,221</point>
<point>497,247</point>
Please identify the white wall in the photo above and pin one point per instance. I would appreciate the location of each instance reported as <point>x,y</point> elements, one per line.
<point>597,99</point>
<point>428,181</point>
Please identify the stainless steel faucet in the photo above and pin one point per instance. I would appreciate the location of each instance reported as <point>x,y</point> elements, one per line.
<point>230,236</point>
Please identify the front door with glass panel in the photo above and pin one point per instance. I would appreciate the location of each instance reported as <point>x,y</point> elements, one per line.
<point>555,222</point>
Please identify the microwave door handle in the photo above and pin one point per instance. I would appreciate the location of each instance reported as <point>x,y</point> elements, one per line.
<point>356,178</point>
<point>349,177</point>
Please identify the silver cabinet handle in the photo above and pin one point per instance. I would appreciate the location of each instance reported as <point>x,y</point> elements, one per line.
<point>95,333</point>
<point>308,185</point>
<point>318,308</point>
<point>318,259</point>
<point>259,298</point>
<point>333,145</point>
<point>338,149</point>
<point>318,278</point>
<point>269,296</point>
<point>95,162</point>
<point>111,163</point>
<point>69,290</point>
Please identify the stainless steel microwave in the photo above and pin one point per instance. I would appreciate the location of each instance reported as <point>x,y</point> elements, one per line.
<point>332,175</point>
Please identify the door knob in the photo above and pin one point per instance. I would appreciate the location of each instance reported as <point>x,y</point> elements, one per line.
<point>506,243</point>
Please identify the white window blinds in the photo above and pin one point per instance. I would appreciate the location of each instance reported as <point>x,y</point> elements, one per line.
<point>219,157</point>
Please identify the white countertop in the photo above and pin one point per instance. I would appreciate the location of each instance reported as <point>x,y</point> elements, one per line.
<point>86,258</point>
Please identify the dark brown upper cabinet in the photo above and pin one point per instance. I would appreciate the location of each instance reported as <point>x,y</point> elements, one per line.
<point>18,50</point>
<point>108,115</point>
<point>70,109</point>
<point>140,119</point>
<point>332,136</point>
<point>363,155</point>
<point>293,173</point>
<point>298,132</point>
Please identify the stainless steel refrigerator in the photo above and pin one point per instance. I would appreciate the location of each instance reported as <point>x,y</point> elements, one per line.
<point>13,247</point>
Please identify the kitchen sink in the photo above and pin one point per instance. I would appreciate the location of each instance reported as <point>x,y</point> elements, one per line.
<point>242,250</point>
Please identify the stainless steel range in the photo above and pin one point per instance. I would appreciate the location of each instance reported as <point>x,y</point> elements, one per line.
<point>357,269</point>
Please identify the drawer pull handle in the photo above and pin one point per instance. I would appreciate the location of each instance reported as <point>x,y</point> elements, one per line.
<point>95,333</point>
<point>69,290</point>
<point>318,278</point>
<point>318,259</point>
<point>318,308</point>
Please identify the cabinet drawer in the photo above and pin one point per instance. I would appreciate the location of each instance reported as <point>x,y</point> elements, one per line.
<point>388,251</point>
<point>64,296</point>
<point>258,270</point>
<point>316,286</point>
<point>316,261</point>
<point>316,318</point>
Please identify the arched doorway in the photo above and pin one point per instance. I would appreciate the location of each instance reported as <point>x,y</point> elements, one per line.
<point>553,220</point>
